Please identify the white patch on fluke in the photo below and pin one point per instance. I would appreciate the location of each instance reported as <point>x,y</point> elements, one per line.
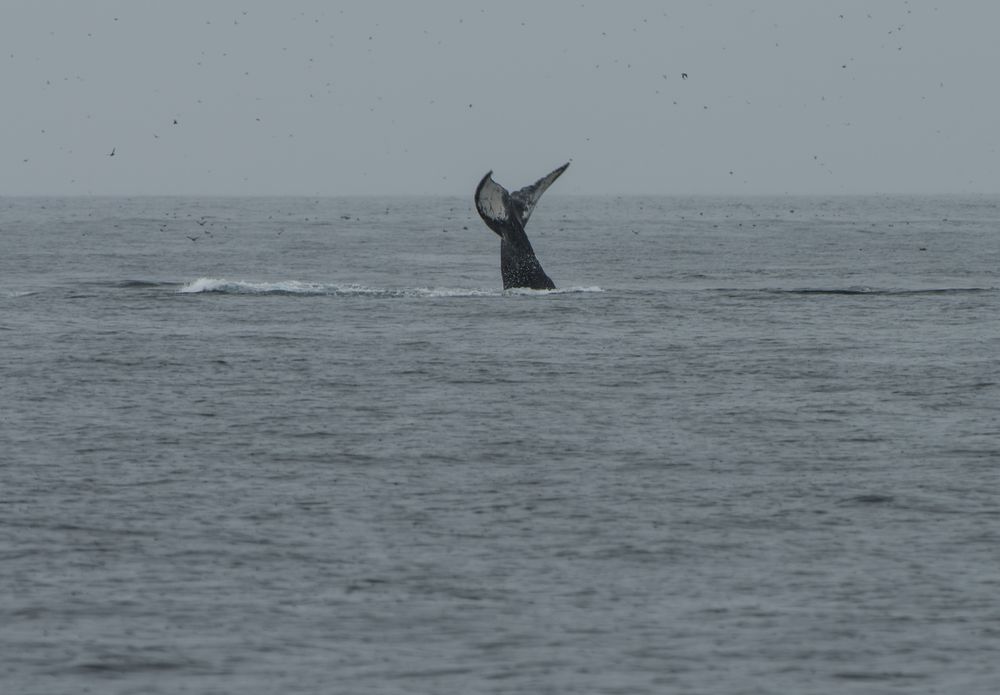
<point>490,200</point>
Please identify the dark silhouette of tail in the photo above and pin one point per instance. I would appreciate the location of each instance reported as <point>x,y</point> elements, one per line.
<point>506,214</point>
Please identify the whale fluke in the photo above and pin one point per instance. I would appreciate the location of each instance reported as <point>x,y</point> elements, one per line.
<point>506,214</point>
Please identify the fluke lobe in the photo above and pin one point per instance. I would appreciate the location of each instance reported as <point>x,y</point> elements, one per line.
<point>507,214</point>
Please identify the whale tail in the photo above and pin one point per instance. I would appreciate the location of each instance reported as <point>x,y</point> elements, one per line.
<point>506,214</point>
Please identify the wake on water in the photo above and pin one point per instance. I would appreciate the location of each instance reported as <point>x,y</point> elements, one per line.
<point>296,287</point>
<point>225,286</point>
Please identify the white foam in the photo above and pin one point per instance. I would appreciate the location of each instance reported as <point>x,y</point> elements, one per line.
<point>226,286</point>
<point>455,292</point>
<point>559,290</point>
<point>569,290</point>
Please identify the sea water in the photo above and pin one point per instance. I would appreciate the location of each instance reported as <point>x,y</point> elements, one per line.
<point>310,446</point>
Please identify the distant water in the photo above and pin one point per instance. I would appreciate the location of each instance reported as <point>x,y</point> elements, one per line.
<point>308,446</point>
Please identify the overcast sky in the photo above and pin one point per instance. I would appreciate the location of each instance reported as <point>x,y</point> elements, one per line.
<point>335,98</point>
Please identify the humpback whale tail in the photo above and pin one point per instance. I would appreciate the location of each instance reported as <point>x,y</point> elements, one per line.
<point>507,214</point>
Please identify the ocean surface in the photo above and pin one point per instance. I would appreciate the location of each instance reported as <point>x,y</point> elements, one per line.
<point>303,445</point>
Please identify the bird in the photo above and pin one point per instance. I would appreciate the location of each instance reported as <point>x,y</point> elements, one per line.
<point>193,238</point>
<point>684,75</point>
<point>112,154</point>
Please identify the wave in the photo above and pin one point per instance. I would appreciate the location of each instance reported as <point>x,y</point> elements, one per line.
<point>296,287</point>
<point>863,291</point>
<point>140,284</point>
<point>891,291</point>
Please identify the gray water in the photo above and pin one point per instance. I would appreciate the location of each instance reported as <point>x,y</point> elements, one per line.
<point>308,446</point>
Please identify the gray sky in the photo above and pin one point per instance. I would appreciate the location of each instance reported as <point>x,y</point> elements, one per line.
<point>336,98</point>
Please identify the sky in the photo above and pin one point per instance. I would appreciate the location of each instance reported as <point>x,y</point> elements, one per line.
<point>398,98</point>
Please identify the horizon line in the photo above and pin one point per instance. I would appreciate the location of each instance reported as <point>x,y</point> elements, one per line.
<point>784,194</point>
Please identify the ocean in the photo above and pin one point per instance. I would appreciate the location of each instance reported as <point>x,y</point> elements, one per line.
<point>300,445</point>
